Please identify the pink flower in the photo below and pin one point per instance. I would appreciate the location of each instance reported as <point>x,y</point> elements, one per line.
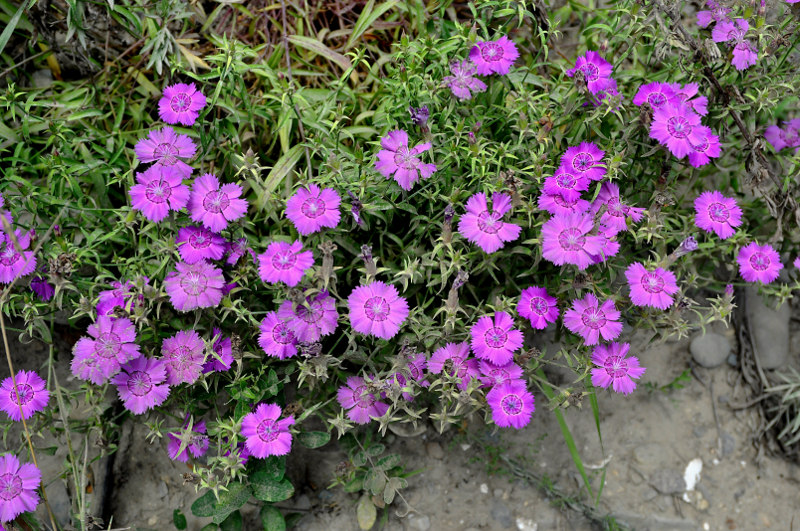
<point>141,384</point>
<point>744,55</point>
<point>656,94</point>
<point>615,215</point>
<point>796,262</point>
<point>264,434</point>
<point>197,285</point>
<point>706,149</point>
<point>222,359</point>
<point>494,57</point>
<point>310,321</point>
<point>585,160</point>
<point>566,183</point>
<point>111,345</point>
<point>215,205</point>
<point>677,127</point>
<point>361,405</point>
<point>716,213</point>
<point>183,355</point>
<point>14,264</point>
<point>377,309</point>
<point>591,320</point>
<point>166,148</point>
<point>495,340</point>
<point>614,369</point>
<point>595,70</point>
<point>492,374</point>
<point>311,209</point>
<point>558,206</point>
<point>729,30</point>
<point>284,262</point>
<point>159,190</point>
<point>276,339</point>
<point>452,359</point>
<point>33,396</point>
<point>486,228</point>
<point>398,161</point>
<point>236,249</point>
<point>565,240</point>
<point>417,363</point>
<point>759,263</point>
<point>651,288</point>
<point>717,13</point>
<point>536,305</point>
<point>42,288</point>
<point>19,485</point>
<point>197,442</point>
<point>181,103</point>
<point>198,243</point>
<point>512,404</point>
<point>463,83</point>
<point>688,95</point>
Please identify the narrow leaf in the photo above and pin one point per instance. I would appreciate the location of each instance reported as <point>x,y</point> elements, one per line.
<point>318,48</point>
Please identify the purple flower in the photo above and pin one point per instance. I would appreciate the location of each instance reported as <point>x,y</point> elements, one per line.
<point>452,359</point>
<point>42,288</point>
<point>730,30</point>
<point>197,445</point>
<point>19,486</point>
<point>14,264</point>
<point>419,115</point>
<point>565,240</point>
<point>159,190</point>
<point>264,434</point>
<point>361,405</point>
<point>716,13</point>
<point>591,320</point>
<point>166,148</point>
<point>495,340</point>
<point>463,83</point>
<point>122,296</point>
<point>215,205</point>
<point>494,57</point>
<point>197,285</point>
<point>112,343</point>
<point>377,309</point>
<point>398,161</point>
<point>716,213</point>
<point>417,363</point>
<point>276,339</point>
<point>537,306</point>
<point>651,288</point>
<point>181,103</point>
<point>311,209</point>
<point>616,214</point>
<point>595,70</point>
<point>759,263</point>
<point>492,374</point>
<point>198,243</point>
<point>706,149</point>
<point>33,396</point>
<point>677,127</point>
<point>585,160</point>
<point>656,94</point>
<point>614,369</point>
<point>183,355</point>
<point>558,206</point>
<point>688,95</point>
<point>284,262</point>
<point>512,404</point>
<point>141,384</point>
<point>744,55</point>
<point>486,228</point>
<point>566,183</point>
<point>236,250</point>
<point>796,262</point>
<point>223,353</point>
<point>310,321</point>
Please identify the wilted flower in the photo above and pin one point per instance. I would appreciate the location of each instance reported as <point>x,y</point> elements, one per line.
<point>716,13</point>
<point>42,288</point>
<point>223,350</point>
<point>419,115</point>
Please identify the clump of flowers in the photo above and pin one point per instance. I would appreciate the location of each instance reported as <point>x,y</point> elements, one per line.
<point>786,136</point>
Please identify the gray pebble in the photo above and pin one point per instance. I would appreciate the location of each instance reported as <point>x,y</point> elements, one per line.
<point>728,444</point>
<point>667,481</point>
<point>770,329</point>
<point>303,503</point>
<point>710,350</point>
<point>733,360</point>
<point>502,515</point>
<point>434,450</point>
<point>648,453</point>
<point>418,523</point>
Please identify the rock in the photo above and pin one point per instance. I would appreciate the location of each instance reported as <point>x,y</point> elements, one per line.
<point>418,523</point>
<point>303,503</point>
<point>728,444</point>
<point>769,329</point>
<point>667,481</point>
<point>710,350</point>
<point>648,453</point>
<point>434,450</point>
<point>501,514</point>
<point>733,360</point>
<point>524,524</point>
<point>484,488</point>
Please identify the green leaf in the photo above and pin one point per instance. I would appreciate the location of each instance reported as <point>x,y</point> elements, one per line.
<point>179,520</point>
<point>314,439</point>
<point>12,24</point>
<point>273,491</point>
<point>367,19</point>
<point>205,505</point>
<point>354,485</point>
<point>229,501</point>
<point>272,519</point>
<point>366,514</point>
<point>281,169</point>
<point>376,450</point>
<point>271,469</point>
<point>232,523</point>
<point>318,48</point>
<point>385,463</point>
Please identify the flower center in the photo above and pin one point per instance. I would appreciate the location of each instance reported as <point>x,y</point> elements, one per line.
<point>282,335</point>
<point>590,71</point>
<point>594,318</point>
<point>194,283</point>
<point>10,486</point>
<point>571,239</point>
<point>652,282</point>
<point>180,102</point>
<point>538,305</point>
<point>25,394</point>
<point>157,191</point>
<point>566,180</point>
<point>267,430</point>
<point>140,383</point>
<point>614,207</point>
<point>199,240</point>
<point>679,127</point>
<point>583,161</point>
<point>9,256</point>
<point>495,337</point>
<point>491,52</point>
<point>167,154</point>
<point>363,398</point>
<point>759,261</point>
<point>718,212</point>
<point>511,404</point>
<point>182,358</point>
<point>313,207</point>
<point>405,159</point>
<point>107,345</point>
<point>283,260</point>
<point>489,222</point>
<point>216,201</point>
<point>377,308</point>
<point>656,99</point>
<point>615,366</point>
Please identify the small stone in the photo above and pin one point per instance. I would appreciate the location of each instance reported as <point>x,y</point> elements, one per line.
<point>699,431</point>
<point>524,524</point>
<point>769,328</point>
<point>648,453</point>
<point>733,360</point>
<point>484,488</point>
<point>710,350</point>
<point>498,493</point>
<point>728,443</point>
<point>667,481</point>
<point>418,523</point>
<point>153,520</point>
<point>502,515</point>
<point>303,503</point>
<point>163,492</point>
<point>434,450</point>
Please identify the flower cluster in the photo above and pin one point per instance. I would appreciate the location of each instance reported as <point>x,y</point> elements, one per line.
<point>485,58</point>
<point>786,136</point>
<point>596,73</point>
<point>733,33</point>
